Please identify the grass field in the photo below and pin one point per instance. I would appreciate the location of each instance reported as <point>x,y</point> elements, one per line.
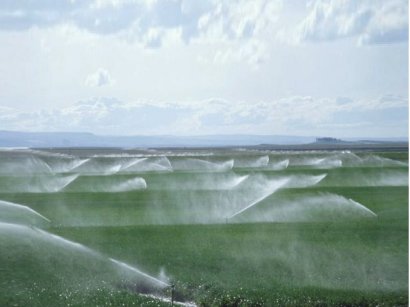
<point>226,228</point>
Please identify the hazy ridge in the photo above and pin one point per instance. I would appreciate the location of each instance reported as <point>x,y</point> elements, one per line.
<point>84,139</point>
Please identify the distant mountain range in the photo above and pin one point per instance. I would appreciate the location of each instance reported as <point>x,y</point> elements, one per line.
<point>80,139</point>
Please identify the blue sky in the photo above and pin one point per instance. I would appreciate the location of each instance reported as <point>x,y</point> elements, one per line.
<point>334,68</point>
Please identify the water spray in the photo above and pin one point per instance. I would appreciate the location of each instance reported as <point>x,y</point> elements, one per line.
<point>260,199</point>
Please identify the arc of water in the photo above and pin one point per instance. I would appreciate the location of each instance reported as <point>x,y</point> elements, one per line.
<point>226,165</point>
<point>238,181</point>
<point>317,161</point>
<point>113,169</point>
<point>22,207</point>
<point>132,163</point>
<point>363,207</point>
<point>263,161</point>
<point>162,167</point>
<point>83,248</point>
<point>318,178</point>
<point>131,268</point>
<point>129,185</point>
<point>166,161</point>
<point>42,163</point>
<point>78,164</point>
<point>280,165</point>
<point>70,179</point>
<point>65,241</point>
<point>257,201</point>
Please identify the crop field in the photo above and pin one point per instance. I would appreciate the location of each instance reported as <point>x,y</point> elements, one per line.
<point>206,227</point>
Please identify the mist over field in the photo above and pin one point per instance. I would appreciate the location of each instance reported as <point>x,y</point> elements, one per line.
<point>142,220</point>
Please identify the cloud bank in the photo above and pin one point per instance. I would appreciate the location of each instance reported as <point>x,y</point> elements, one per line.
<point>342,116</point>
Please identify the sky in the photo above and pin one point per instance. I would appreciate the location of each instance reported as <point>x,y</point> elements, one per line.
<point>187,67</point>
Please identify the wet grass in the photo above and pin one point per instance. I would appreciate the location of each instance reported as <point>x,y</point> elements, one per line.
<point>321,262</point>
<point>49,295</point>
<point>355,263</point>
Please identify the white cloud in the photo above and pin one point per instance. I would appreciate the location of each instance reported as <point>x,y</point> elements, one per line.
<point>222,25</point>
<point>301,115</point>
<point>99,78</point>
<point>389,24</point>
<point>371,21</point>
<point>239,19</point>
<point>240,30</point>
<point>148,21</point>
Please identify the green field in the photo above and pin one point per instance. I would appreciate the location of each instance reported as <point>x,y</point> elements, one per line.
<point>225,227</point>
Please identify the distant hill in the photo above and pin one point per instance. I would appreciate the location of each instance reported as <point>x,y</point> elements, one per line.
<point>68,139</point>
<point>80,139</point>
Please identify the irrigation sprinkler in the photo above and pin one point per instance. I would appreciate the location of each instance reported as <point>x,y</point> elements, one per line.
<point>172,294</point>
